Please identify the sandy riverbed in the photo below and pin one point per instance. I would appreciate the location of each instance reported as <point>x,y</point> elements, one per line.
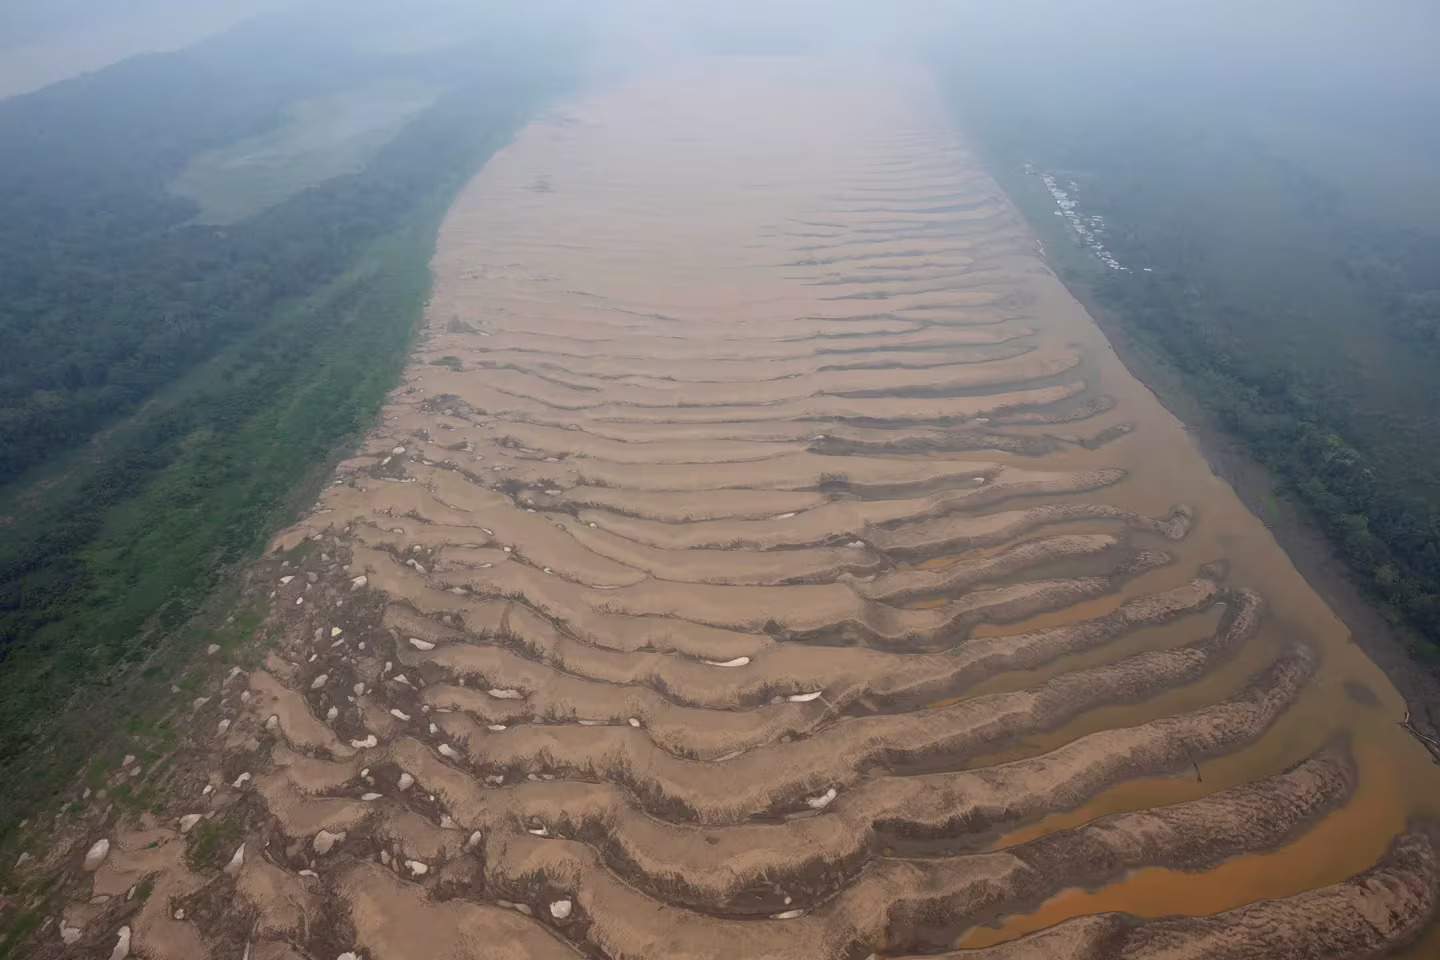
<point>765,556</point>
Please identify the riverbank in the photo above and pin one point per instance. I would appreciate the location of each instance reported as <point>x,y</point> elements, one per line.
<point>1313,552</point>
<point>103,575</point>
<point>1388,644</point>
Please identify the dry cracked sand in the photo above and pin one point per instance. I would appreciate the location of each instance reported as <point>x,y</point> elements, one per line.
<point>766,557</point>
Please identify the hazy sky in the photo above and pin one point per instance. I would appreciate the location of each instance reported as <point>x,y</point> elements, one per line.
<point>1339,42</point>
<point>45,41</point>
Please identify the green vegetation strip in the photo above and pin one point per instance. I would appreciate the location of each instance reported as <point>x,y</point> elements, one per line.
<point>104,568</point>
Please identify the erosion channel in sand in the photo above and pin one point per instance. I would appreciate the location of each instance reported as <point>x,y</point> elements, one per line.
<point>766,557</point>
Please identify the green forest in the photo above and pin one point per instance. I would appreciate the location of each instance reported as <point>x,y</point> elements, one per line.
<point>1281,253</point>
<point>169,389</point>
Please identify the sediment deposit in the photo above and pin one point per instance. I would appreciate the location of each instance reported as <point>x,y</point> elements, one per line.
<point>765,557</point>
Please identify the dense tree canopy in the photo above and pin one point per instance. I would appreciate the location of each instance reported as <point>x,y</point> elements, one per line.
<point>1271,262</point>
<point>165,386</point>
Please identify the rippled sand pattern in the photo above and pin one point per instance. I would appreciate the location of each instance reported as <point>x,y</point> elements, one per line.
<point>765,557</point>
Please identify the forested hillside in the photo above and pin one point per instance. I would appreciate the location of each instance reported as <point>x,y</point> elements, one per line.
<point>167,387</point>
<point>1276,226</point>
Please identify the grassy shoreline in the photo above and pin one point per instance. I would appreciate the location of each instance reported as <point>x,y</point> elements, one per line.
<point>119,573</point>
<point>161,555</point>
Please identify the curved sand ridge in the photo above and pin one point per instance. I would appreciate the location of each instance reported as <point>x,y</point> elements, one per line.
<point>765,557</point>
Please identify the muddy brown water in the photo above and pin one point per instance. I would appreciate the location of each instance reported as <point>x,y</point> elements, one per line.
<point>619,611</point>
